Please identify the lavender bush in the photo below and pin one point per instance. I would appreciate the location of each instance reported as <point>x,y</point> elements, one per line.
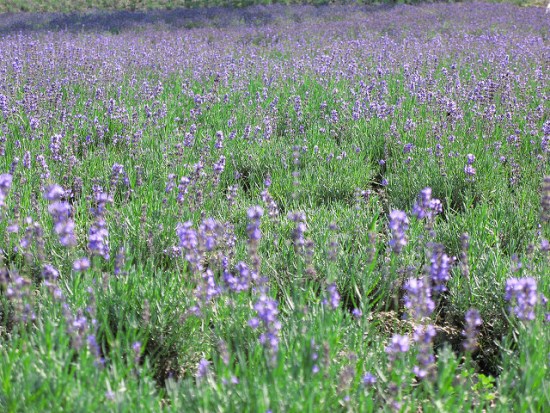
<point>279,209</point>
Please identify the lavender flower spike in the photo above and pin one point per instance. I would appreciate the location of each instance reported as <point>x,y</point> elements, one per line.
<point>399,344</point>
<point>469,170</point>
<point>473,322</point>
<point>426,206</point>
<point>418,300</point>
<point>266,309</point>
<point>399,223</point>
<point>522,293</point>
<point>5,185</point>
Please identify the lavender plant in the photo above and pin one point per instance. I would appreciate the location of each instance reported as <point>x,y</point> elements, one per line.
<point>276,208</point>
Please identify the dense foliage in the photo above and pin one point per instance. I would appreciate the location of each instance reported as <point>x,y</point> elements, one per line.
<point>276,209</point>
<point>67,6</point>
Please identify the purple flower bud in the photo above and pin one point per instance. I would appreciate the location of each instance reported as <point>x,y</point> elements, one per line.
<point>81,264</point>
<point>54,193</point>
<point>334,297</point>
<point>426,206</point>
<point>399,223</point>
<point>418,299</point>
<point>522,293</point>
<point>5,185</point>
<point>136,348</point>
<point>398,344</point>
<point>440,267</point>
<point>369,379</point>
<point>203,369</point>
<point>473,322</point>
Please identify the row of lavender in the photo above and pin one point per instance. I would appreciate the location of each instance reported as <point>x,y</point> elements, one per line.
<point>228,213</point>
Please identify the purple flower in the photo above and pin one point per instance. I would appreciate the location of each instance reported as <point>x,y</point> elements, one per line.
<point>54,193</point>
<point>254,214</point>
<point>398,344</point>
<point>426,206</point>
<point>272,208</point>
<point>418,299</point>
<point>334,297</point>
<point>298,233</point>
<point>219,166</point>
<point>27,160</point>
<point>207,289</point>
<point>203,369</point>
<point>63,224</point>
<point>49,272</point>
<point>187,235</point>
<point>253,229</point>
<point>5,185</point>
<point>241,281</point>
<point>469,170</point>
<point>399,223</point>
<point>369,379</point>
<point>98,233</point>
<point>97,239</point>
<point>219,140</point>
<point>136,348</point>
<point>423,336</point>
<point>171,183</point>
<point>522,294</point>
<point>81,264</point>
<point>440,266</point>
<point>96,351</point>
<point>189,241</point>
<point>267,312</point>
<point>408,148</point>
<point>473,322</point>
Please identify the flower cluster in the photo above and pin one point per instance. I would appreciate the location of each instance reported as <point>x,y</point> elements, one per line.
<point>473,322</point>
<point>440,267</point>
<point>522,294</point>
<point>254,214</point>
<point>241,280</point>
<point>333,296</point>
<point>399,224</point>
<point>418,299</point>
<point>469,170</point>
<point>203,369</point>
<point>423,337</point>
<point>266,309</point>
<point>98,233</point>
<point>5,185</point>
<point>398,344</point>
<point>298,233</point>
<point>61,214</point>
<point>427,207</point>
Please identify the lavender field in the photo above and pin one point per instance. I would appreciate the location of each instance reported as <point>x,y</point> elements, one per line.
<point>276,209</point>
